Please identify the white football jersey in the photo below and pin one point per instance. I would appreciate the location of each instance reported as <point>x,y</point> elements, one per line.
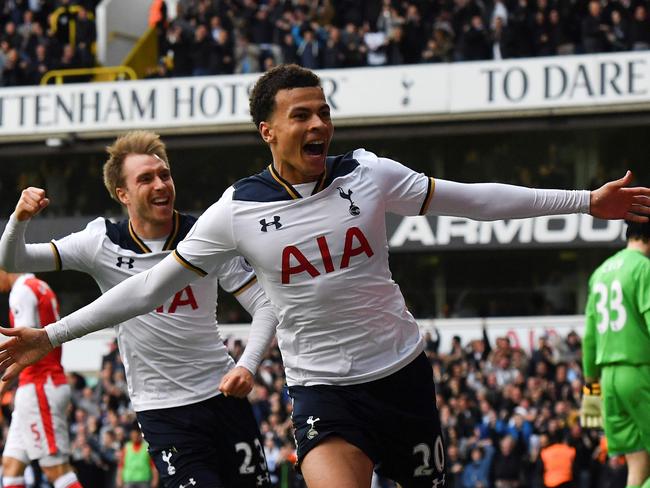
<point>174,355</point>
<point>322,260</point>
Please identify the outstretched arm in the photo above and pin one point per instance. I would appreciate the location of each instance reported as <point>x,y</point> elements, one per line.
<point>239,381</point>
<point>493,201</point>
<point>614,201</point>
<point>15,255</point>
<point>135,296</point>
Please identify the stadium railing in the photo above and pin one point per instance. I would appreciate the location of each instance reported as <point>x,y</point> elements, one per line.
<point>111,73</point>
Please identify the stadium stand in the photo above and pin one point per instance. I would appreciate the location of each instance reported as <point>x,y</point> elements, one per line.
<point>205,37</point>
<point>506,414</point>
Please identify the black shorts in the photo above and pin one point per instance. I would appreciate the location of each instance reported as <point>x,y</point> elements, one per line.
<point>211,444</point>
<point>393,420</point>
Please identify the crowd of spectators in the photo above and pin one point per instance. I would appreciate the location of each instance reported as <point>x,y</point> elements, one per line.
<point>510,417</point>
<point>37,36</point>
<point>205,37</point>
<point>244,36</point>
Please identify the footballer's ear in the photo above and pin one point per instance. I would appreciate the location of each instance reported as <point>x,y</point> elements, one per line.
<point>267,132</point>
<point>122,195</point>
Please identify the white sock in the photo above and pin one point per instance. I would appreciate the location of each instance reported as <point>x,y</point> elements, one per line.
<point>13,481</point>
<point>66,480</point>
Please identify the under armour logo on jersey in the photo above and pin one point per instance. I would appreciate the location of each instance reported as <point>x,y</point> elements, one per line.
<point>190,482</point>
<point>354,210</point>
<point>262,478</point>
<point>128,262</point>
<point>276,223</point>
<point>312,432</point>
<point>166,457</point>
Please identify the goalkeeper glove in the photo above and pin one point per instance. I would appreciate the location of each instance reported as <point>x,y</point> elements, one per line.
<point>591,416</point>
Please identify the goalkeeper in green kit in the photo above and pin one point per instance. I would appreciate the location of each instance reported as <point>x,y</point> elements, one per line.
<point>616,354</point>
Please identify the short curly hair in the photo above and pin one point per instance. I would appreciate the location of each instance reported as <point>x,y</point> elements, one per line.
<point>134,142</point>
<point>637,230</point>
<point>283,76</point>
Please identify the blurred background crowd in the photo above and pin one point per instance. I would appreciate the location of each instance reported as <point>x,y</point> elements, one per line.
<point>207,37</point>
<point>510,417</point>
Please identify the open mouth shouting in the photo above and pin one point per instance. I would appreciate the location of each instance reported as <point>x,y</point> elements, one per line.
<point>314,148</point>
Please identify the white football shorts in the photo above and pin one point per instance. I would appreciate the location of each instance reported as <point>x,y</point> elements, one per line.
<point>39,427</point>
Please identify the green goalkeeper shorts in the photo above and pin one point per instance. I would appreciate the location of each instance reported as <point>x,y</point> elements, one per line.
<point>626,407</point>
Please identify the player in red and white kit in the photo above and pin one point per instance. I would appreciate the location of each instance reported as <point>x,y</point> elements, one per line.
<point>39,428</point>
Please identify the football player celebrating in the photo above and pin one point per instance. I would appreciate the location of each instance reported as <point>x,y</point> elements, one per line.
<point>313,228</point>
<point>174,358</point>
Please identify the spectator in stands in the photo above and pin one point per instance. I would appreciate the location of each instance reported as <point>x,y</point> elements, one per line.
<point>395,48</point>
<point>475,42</point>
<point>14,72</point>
<point>289,49</point>
<point>640,29</point>
<point>476,473</point>
<point>508,466</point>
<point>594,31</point>
<point>389,18</point>
<point>69,60</point>
<point>454,467</point>
<point>11,36</point>
<point>505,373</point>
<point>333,49</point>
<point>247,56</point>
<point>177,47</point>
<point>308,51</point>
<point>414,34</point>
<point>618,34</point>
<point>354,48</point>
<point>88,464</point>
<point>542,44</point>
<point>224,56</point>
<point>559,37</point>
<point>135,468</point>
<point>520,24</point>
<point>202,52</point>
<point>86,35</point>
<point>25,29</point>
<point>38,65</point>
<point>542,354</point>
<point>35,38</point>
<point>108,451</point>
<point>557,461</point>
<point>584,442</point>
<point>261,28</point>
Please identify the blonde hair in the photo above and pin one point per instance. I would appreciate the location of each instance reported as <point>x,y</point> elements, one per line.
<point>134,142</point>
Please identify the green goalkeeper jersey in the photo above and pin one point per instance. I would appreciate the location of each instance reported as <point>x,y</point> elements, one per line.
<point>618,313</point>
